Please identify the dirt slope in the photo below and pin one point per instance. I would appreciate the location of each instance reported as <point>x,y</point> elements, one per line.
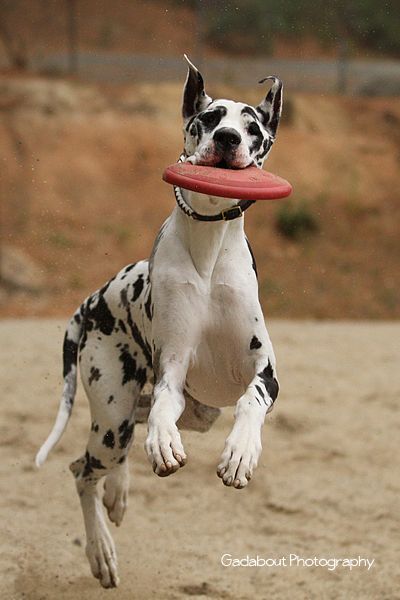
<point>82,194</point>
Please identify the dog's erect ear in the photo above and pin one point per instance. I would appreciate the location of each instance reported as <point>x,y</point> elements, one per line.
<point>195,98</point>
<point>270,108</point>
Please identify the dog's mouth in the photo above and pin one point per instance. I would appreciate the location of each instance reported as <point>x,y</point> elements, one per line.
<point>223,164</point>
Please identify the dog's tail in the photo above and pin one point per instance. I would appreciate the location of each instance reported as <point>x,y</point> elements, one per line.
<point>72,337</point>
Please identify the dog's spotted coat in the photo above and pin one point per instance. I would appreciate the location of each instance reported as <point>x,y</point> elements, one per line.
<point>187,322</point>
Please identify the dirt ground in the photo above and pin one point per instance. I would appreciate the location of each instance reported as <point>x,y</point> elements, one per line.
<point>327,485</point>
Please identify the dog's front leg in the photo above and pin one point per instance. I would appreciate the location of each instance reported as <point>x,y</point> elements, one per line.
<point>243,445</point>
<point>163,444</point>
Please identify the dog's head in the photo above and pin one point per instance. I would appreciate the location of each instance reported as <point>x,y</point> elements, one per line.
<point>223,133</point>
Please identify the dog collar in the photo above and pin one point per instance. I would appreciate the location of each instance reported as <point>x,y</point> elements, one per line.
<point>225,215</point>
<point>228,214</point>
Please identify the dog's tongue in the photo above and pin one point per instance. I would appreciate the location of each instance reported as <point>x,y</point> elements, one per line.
<point>244,184</point>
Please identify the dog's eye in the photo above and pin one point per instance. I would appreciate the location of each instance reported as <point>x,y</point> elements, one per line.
<point>210,118</point>
<point>253,129</point>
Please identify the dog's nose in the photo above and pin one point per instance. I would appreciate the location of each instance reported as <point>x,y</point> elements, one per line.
<point>227,138</point>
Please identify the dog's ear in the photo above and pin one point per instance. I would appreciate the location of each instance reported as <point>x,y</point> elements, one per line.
<point>195,98</point>
<point>270,108</point>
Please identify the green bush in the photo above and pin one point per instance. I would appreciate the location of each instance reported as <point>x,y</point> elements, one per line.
<point>296,221</point>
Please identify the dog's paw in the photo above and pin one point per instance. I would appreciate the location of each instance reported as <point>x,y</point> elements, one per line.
<point>240,456</point>
<point>101,554</point>
<point>164,449</point>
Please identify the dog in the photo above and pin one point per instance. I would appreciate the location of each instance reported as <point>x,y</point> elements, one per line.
<point>185,325</point>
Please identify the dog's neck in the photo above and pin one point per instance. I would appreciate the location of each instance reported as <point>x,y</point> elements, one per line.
<point>206,205</point>
<point>206,241</point>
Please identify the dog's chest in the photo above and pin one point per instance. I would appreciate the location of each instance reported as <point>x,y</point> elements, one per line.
<point>221,366</point>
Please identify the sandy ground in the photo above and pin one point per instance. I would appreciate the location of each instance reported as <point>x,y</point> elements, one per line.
<point>327,486</point>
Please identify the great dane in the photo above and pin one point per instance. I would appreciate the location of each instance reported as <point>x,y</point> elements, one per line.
<point>187,323</point>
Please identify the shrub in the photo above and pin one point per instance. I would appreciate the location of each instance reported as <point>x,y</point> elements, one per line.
<point>296,221</point>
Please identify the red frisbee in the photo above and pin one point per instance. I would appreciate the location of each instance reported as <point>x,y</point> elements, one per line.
<point>244,184</point>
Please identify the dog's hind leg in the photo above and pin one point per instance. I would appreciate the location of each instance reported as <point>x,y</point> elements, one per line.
<point>113,372</point>
<point>100,549</point>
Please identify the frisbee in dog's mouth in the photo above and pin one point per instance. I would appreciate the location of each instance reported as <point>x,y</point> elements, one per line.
<point>249,183</point>
<point>222,164</point>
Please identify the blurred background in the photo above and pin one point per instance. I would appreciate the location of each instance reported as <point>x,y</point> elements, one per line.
<point>90,98</point>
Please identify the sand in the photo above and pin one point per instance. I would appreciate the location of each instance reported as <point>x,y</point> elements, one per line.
<point>327,485</point>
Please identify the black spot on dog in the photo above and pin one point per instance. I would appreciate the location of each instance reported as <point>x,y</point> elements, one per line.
<point>254,130</point>
<point>110,399</point>
<point>128,365</point>
<point>190,122</point>
<point>248,110</point>
<point>125,431</point>
<point>266,146</point>
<point>211,119</point>
<point>137,336</point>
<point>70,355</point>
<point>122,460</point>
<point>148,307</point>
<point>269,381</point>
<point>95,375</point>
<point>255,343</point>
<point>137,288</point>
<point>127,269</point>
<point>109,439</point>
<point>122,326</point>
<point>141,376</point>
<point>77,319</point>
<point>124,297</point>
<point>100,317</point>
<point>106,286</point>
<point>96,463</point>
<point>253,260</point>
<point>264,115</point>
<point>130,370</point>
<point>259,390</point>
<point>91,463</point>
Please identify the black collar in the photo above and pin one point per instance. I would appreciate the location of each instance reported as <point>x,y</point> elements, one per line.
<point>225,215</point>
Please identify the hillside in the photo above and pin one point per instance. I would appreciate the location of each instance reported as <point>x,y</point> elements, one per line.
<point>82,194</point>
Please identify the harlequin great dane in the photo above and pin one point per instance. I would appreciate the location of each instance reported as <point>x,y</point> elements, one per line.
<point>187,322</point>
